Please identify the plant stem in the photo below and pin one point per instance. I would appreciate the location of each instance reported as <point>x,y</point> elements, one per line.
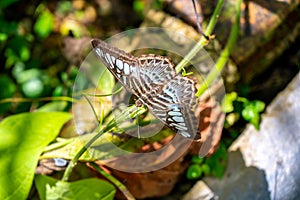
<point>93,109</point>
<point>202,42</point>
<point>20,100</point>
<point>58,144</point>
<point>123,116</point>
<point>115,181</point>
<point>225,53</point>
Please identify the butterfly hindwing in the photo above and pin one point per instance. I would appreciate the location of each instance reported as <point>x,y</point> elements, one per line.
<point>174,104</point>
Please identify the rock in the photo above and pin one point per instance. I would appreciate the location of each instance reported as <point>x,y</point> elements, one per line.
<point>200,191</point>
<point>264,164</point>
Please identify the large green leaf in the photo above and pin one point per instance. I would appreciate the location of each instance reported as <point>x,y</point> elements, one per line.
<point>23,137</point>
<point>50,188</point>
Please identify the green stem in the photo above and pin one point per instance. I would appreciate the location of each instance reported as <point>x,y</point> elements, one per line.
<point>225,53</point>
<point>21,100</point>
<point>112,179</point>
<point>123,116</point>
<point>202,42</point>
<point>57,145</point>
<point>93,109</point>
<point>106,95</point>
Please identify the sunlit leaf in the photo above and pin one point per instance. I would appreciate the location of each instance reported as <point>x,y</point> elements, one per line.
<point>3,37</point>
<point>139,6</point>
<point>197,160</point>
<point>50,188</point>
<point>23,137</point>
<point>44,24</point>
<point>24,53</point>
<point>259,106</point>
<point>24,76</point>
<point>53,106</point>
<point>68,26</point>
<point>227,103</point>
<point>58,91</point>
<point>251,112</point>
<point>231,118</point>
<point>33,88</point>
<point>194,172</point>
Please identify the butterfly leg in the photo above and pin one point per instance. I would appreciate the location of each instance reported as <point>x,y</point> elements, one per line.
<point>139,103</point>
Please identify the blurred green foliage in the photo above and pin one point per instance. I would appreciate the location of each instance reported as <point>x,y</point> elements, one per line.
<point>236,106</point>
<point>7,90</point>
<point>214,165</point>
<point>32,66</point>
<point>44,24</point>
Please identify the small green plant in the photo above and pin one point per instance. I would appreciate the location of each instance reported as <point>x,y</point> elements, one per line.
<point>214,165</point>
<point>237,107</point>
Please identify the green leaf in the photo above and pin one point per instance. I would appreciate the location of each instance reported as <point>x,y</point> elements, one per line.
<point>44,24</point>
<point>69,148</point>
<point>50,188</point>
<point>25,75</point>
<point>18,46</point>
<point>3,37</point>
<point>248,113</point>
<point>194,172</point>
<point>24,53</point>
<point>139,6</point>
<point>197,160</point>
<point>227,102</point>
<point>259,106</point>
<point>53,106</point>
<point>23,137</point>
<point>33,88</point>
<point>206,169</point>
<point>251,112</point>
<point>7,90</point>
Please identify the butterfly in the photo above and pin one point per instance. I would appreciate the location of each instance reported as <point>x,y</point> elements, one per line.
<point>170,97</point>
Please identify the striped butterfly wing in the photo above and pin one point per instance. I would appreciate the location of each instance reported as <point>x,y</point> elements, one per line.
<point>171,97</point>
<point>122,65</point>
<point>174,106</point>
<point>152,78</point>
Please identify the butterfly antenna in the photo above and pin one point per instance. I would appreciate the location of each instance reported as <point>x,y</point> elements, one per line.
<point>198,21</point>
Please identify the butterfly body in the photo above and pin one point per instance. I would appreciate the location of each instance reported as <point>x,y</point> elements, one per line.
<point>170,97</point>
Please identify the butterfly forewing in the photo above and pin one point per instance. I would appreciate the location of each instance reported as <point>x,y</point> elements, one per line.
<point>170,97</point>
<point>121,64</point>
<point>156,70</point>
